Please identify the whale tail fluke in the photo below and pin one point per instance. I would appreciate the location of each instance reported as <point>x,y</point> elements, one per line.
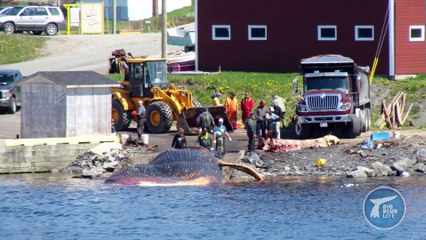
<point>243,168</point>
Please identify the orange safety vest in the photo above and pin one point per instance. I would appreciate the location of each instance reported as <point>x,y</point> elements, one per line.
<point>231,105</point>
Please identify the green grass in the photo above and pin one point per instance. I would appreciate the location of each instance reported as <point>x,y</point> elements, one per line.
<point>265,85</point>
<point>18,47</point>
<point>261,86</point>
<point>415,88</point>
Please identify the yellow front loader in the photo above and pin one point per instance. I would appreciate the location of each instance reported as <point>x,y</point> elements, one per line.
<point>146,79</point>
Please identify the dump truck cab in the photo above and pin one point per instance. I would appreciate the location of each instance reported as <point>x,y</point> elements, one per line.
<point>336,95</point>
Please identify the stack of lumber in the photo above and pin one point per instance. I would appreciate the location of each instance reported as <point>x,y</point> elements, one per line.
<point>393,115</point>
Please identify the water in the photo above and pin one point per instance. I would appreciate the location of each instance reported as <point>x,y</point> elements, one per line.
<point>55,206</point>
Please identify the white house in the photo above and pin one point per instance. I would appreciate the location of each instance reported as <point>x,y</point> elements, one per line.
<point>134,10</point>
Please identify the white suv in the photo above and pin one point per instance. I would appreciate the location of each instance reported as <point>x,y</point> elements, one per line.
<point>37,19</point>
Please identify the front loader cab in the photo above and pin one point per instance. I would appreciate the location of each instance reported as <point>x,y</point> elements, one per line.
<point>144,74</point>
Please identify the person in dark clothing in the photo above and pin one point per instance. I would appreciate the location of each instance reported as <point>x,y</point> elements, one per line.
<point>251,132</point>
<point>276,120</point>
<point>179,140</point>
<point>141,119</point>
<point>205,120</point>
<point>261,120</point>
<point>205,139</point>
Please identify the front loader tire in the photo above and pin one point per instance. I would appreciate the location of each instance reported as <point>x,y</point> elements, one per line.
<point>121,117</point>
<point>159,117</point>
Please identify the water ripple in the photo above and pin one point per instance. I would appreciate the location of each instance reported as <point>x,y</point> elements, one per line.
<point>311,208</point>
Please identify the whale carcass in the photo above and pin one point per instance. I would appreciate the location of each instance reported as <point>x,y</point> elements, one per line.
<point>289,145</point>
<point>178,167</point>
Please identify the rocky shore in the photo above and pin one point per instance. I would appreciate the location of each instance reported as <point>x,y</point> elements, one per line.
<point>405,156</point>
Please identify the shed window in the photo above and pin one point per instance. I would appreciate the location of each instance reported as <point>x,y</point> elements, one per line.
<point>221,32</point>
<point>257,32</point>
<point>327,33</point>
<point>417,33</point>
<point>364,33</point>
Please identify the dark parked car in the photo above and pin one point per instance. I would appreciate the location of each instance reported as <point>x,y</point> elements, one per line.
<point>10,97</point>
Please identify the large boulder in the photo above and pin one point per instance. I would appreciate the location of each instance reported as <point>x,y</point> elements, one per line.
<point>421,155</point>
<point>404,164</point>
<point>361,172</point>
<point>379,169</point>
<point>106,148</point>
<point>419,167</point>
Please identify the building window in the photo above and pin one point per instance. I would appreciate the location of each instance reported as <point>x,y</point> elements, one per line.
<point>221,32</point>
<point>417,33</point>
<point>364,33</point>
<point>257,32</point>
<point>327,33</point>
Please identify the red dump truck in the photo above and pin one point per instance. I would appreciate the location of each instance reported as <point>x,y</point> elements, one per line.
<point>335,95</point>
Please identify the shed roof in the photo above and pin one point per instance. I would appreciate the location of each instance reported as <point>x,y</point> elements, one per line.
<point>73,79</point>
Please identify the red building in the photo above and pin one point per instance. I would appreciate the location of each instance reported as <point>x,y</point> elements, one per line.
<point>272,36</point>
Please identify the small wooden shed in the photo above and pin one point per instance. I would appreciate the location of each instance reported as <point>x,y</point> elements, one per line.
<point>65,104</point>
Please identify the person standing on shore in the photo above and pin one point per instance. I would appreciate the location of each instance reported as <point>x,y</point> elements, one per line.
<point>179,140</point>
<point>205,120</point>
<point>247,105</point>
<point>205,139</point>
<point>251,132</point>
<point>231,108</point>
<point>260,119</point>
<point>141,119</point>
<point>219,133</point>
<point>276,119</point>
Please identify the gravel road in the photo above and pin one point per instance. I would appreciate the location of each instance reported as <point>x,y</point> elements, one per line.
<point>90,52</point>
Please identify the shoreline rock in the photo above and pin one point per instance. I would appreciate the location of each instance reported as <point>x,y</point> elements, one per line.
<point>284,164</point>
<point>393,158</point>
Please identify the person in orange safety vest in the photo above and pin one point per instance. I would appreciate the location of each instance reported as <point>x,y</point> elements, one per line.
<point>231,108</point>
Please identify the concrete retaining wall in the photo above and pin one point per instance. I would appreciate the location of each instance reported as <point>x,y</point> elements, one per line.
<point>44,154</point>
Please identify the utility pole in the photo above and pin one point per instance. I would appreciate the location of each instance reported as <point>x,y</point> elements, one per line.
<point>155,8</point>
<point>163,29</point>
<point>114,16</point>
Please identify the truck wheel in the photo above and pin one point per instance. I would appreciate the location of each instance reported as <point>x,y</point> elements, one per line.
<point>363,120</point>
<point>121,118</point>
<point>354,128</point>
<point>12,107</point>
<point>302,131</point>
<point>159,117</point>
<point>367,119</point>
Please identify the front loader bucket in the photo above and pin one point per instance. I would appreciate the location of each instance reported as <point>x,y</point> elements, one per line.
<point>188,119</point>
